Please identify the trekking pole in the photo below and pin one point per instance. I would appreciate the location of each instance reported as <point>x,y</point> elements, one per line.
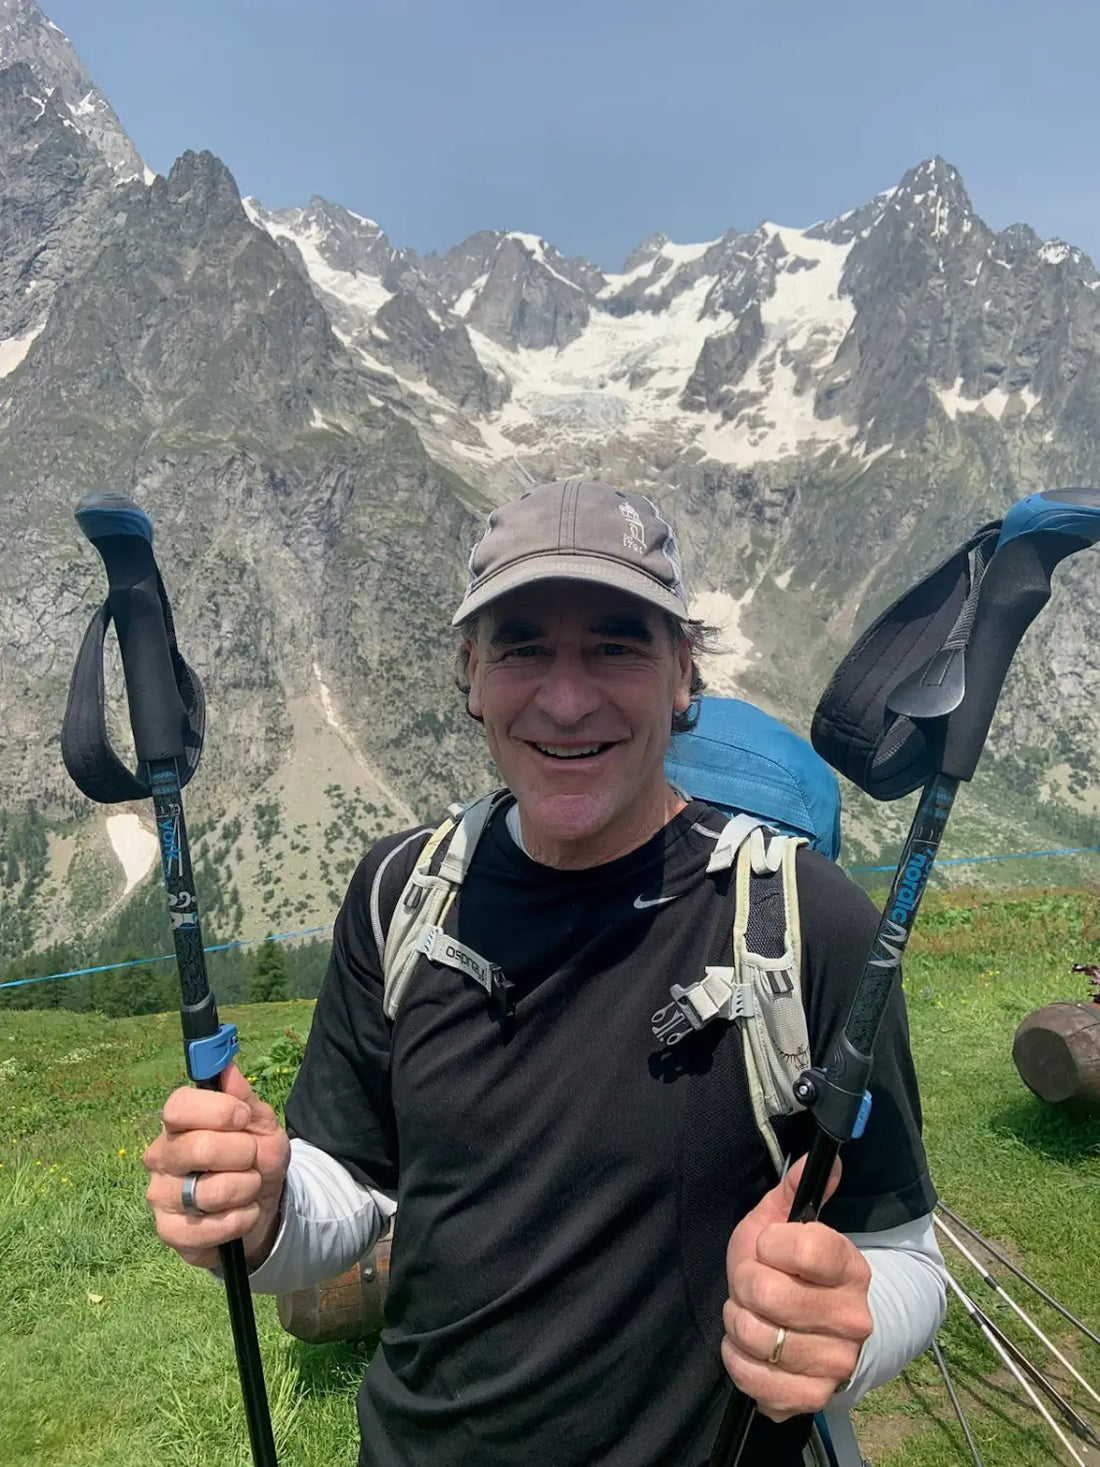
<point>989,1330</point>
<point>1002,1258</point>
<point>1074,1417</point>
<point>988,1279</point>
<point>941,1365</point>
<point>123,535</point>
<point>952,700</point>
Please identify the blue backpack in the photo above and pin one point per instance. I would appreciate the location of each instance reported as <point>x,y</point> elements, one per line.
<point>740,758</point>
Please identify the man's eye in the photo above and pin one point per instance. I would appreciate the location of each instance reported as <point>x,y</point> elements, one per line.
<point>521,652</point>
<point>615,649</point>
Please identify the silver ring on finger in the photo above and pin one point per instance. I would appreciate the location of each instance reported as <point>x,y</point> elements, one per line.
<point>777,1349</point>
<point>187,1195</point>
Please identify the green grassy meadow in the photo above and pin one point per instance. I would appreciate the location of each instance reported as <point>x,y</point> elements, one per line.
<point>115,1354</point>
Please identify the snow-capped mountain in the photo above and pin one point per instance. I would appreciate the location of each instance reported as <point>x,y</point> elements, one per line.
<point>317,420</point>
<point>760,347</point>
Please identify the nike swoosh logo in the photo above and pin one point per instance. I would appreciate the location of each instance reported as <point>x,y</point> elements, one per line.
<point>641,903</point>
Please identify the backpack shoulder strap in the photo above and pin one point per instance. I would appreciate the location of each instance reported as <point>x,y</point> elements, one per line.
<point>762,988</point>
<point>416,923</point>
<point>767,948</point>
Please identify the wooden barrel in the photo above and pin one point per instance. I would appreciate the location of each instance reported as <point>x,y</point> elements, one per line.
<point>347,1308</point>
<point>1057,1051</point>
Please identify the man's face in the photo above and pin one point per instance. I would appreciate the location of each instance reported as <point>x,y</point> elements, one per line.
<point>576,686</point>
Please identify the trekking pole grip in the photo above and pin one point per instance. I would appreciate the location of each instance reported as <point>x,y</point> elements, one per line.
<point>1037,533</point>
<point>123,535</point>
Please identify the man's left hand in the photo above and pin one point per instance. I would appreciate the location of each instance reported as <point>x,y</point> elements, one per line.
<point>805,1280</point>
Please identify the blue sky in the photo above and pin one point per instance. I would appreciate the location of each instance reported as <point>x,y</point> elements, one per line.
<point>595,124</point>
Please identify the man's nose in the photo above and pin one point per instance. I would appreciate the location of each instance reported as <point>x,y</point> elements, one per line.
<point>568,692</point>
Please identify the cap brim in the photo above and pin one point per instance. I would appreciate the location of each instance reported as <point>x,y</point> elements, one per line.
<point>596,570</point>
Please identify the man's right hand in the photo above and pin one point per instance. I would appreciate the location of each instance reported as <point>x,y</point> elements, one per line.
<point>235,1140</point>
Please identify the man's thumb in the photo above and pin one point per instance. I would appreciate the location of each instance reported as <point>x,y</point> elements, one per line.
<point>232,1082</point>
<point>780,1199</point>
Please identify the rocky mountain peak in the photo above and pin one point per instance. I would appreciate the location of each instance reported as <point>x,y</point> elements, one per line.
<point>934,191</point>
<point>645,253</point>
<point>343,240</point>
<point>27,35</point>
<point>203,182</point>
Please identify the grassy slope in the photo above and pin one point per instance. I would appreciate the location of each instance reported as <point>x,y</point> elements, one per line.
<point>112,1352</point>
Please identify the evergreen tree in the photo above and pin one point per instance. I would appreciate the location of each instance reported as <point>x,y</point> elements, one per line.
<point>122,991</point>
<point>269,981</point>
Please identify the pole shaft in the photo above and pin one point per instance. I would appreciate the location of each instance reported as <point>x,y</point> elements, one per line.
<point>199,1016</point>
<point>937,1355</point>
<point>1021,1313</point>
<point>979,1318</point>
<point>1002,1258</point>
<point>852,1052</point>
<point>898,915</point>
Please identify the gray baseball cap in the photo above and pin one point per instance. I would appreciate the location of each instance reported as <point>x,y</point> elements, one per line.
<point>577,530</point>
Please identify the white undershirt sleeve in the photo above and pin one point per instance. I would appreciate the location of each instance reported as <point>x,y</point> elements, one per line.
<point>329,1220</point>
<point>907,1299</point>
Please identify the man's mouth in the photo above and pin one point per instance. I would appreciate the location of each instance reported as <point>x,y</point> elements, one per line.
<point>570,751</point>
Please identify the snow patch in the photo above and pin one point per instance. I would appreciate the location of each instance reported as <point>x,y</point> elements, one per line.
<point>784,580</point>
<point>329,709</point>
<point>362,219</point>
<point>150,175</point>
<point>676,255</point>
<point>537,247</point>
<point>135,847</point>
<point>466,300</point>
<point>734,652</point>
<point>15,348</point>
<point>994,402</point>
<point>364,293</point>
<point>1055,252</point>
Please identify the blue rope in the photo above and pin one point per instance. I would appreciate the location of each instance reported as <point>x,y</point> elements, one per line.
<point>218,947</point>
<point>308,931</point>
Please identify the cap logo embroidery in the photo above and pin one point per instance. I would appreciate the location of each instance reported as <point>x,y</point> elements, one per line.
<point>634,539</point>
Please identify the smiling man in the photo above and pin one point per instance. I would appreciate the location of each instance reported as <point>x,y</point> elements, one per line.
<point>590,1238</point>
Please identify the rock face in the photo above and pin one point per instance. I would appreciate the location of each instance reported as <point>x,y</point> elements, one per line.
<point>26,35</point>
<point>317,420</point>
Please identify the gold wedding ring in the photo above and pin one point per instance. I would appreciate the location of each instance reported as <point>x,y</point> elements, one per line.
<point>777,1349</point>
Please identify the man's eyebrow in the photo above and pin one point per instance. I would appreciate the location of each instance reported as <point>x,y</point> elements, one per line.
<point>516,629</point>
<point>635,628</point>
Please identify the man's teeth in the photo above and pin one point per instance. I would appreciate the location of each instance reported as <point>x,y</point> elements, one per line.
<point>557,751</point>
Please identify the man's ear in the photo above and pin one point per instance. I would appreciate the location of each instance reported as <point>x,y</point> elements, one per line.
<point>682,701</point>
<point>473,667</point>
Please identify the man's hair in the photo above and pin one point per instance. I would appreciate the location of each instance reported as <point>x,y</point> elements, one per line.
<point>699,637</point>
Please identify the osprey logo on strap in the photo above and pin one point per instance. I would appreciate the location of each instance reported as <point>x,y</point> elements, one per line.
<point>423,906</point>
<point>448,952</point>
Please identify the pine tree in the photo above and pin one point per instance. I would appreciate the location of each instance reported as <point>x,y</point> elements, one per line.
<point>269,981</point>
<point>122,991</point>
